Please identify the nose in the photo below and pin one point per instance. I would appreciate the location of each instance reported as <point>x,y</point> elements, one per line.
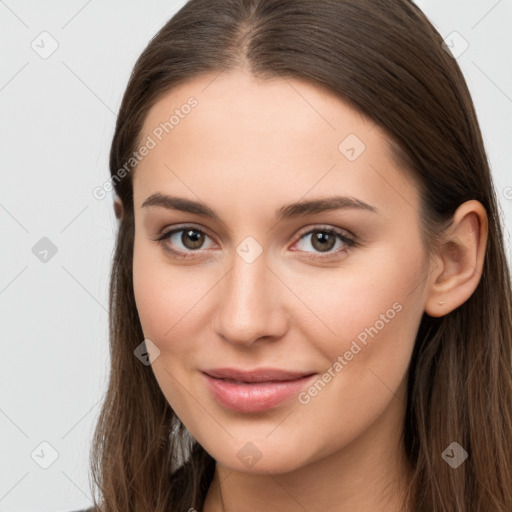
<point>251,303</point>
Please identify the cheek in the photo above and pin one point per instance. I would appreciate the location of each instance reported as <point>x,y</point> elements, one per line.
<point>165,306</point>
<point>367,363</point>
<point>372,315</point>
<point>172,304</point>
<point>165,295</point>
<point>149,296</point>
<point>377,292</point>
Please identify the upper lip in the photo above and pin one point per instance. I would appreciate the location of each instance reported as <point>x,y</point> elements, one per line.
<point>259,375</point>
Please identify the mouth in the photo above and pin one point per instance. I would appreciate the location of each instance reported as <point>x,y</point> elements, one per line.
<point>260,375</point>
<point>254,391</point>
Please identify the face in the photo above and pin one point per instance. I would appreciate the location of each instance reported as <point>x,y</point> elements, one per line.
<point>285,305</point>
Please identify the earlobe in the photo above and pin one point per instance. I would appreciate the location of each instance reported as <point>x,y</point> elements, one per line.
<point>460,259</point>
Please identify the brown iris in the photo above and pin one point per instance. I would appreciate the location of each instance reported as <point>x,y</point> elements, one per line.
<point>323,241</point>
<point>195,237</point>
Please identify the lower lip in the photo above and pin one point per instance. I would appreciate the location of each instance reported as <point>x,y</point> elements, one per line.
<point>254,397</point>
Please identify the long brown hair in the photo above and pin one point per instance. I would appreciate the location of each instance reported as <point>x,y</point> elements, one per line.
<point>385,59</point>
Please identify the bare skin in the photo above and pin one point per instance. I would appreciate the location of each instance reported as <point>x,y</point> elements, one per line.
<point>248,148</point>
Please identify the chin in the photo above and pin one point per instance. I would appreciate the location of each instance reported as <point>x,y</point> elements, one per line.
<point>261,456</point>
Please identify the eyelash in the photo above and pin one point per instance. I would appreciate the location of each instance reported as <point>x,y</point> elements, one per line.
<point>347,240</point>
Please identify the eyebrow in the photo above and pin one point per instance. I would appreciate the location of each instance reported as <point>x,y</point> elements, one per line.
<point>285,212</point>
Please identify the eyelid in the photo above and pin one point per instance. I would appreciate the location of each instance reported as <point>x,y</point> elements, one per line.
<point>178,254</point>
<point>325,227</point>
<point>350,240</point>
<point>184,227</point>
<point>301,233</point>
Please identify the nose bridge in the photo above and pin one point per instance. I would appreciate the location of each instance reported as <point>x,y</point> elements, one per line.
<point>249,306</point>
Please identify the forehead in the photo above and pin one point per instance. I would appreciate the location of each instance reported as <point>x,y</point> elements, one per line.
<point>277,138</point>
<point>290,106</point>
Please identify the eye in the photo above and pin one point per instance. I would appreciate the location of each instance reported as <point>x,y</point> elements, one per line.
<point>323,240</point>
<point>183,241</point>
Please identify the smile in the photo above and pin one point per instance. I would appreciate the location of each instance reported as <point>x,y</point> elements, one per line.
<point>254,391</point>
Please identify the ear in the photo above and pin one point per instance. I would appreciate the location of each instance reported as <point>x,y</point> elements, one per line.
<point>459,260</point>
<point>118,208</point>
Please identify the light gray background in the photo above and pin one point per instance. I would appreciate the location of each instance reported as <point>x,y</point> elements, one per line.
<point>57,120</point>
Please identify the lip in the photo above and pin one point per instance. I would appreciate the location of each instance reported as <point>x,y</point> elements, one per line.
<point>254,390</point>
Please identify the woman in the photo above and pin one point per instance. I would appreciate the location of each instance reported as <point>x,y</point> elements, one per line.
<point>310,301</point>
